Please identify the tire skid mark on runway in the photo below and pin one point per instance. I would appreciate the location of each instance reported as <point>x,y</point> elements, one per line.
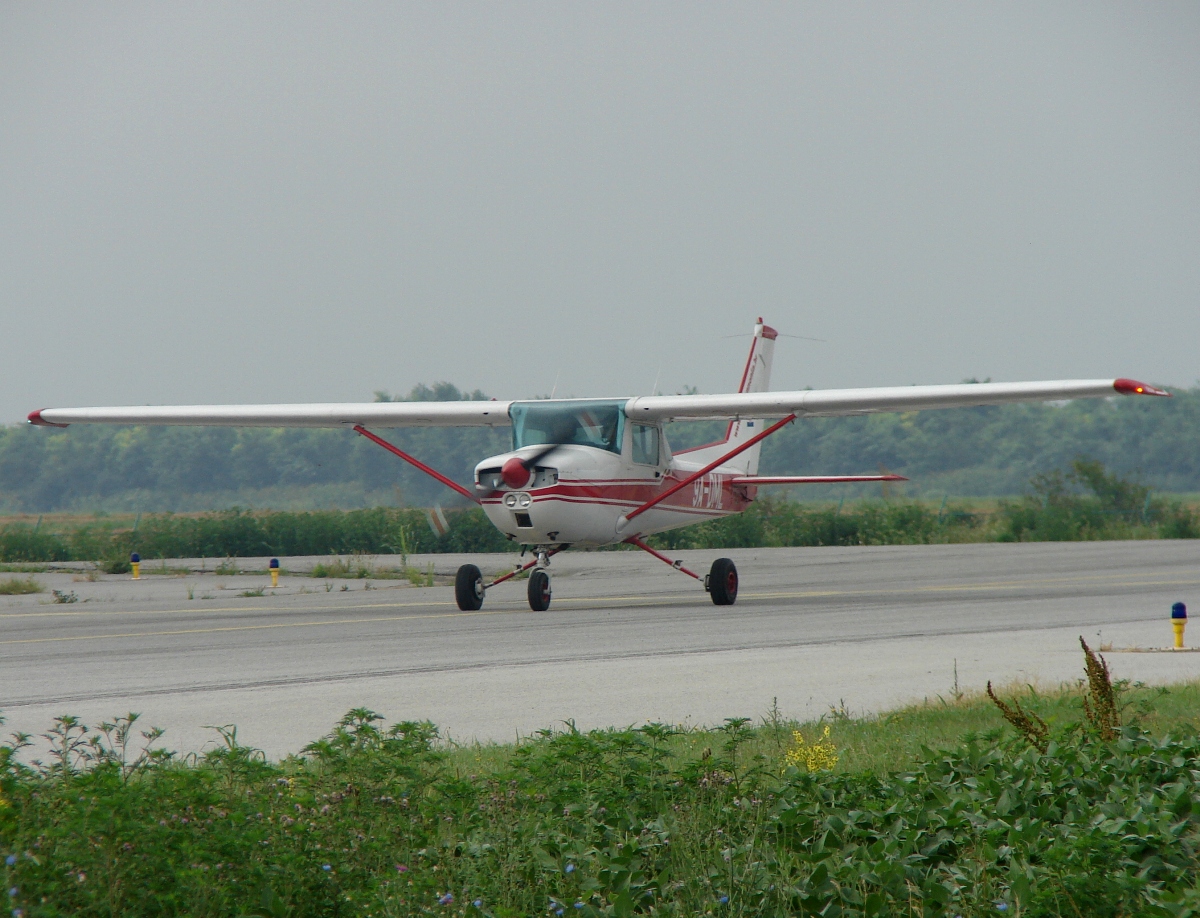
<point>601,600</point>
<point>606,657</point>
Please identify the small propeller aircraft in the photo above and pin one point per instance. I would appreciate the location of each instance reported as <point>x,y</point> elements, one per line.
<point>592,472</point>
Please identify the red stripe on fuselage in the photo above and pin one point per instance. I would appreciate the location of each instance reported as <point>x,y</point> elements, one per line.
<point>714,492</point>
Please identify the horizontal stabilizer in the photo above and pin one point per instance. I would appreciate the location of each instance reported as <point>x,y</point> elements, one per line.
<point>813,479</point>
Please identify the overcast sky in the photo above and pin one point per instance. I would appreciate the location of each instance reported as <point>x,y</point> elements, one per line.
<point>294,202</point>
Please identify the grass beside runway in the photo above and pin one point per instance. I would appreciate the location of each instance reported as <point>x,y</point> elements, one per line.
<point>933,809</point>
<point>1083,502</point>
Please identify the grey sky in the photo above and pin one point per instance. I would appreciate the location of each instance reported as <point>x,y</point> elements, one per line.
<point>256,202</point>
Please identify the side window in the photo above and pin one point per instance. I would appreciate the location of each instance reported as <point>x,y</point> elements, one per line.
<point>645,444</point>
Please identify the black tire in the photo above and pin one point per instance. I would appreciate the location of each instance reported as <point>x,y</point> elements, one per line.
<point>468,588</point>
<point>723,582</point>
<point>539,591</point>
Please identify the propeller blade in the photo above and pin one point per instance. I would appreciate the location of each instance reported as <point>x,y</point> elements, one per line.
<point>532,461</point>
<point>517,472</point>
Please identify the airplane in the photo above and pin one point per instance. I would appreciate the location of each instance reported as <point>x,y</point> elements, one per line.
<point>591,472</point>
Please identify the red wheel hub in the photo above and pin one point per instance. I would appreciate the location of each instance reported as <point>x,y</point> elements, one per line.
<point>515,473</point>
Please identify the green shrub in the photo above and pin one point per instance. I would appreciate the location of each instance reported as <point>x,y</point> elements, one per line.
<point>378,820</point>
<point>24,543</point>
<point>118,565</point>
<point>1179,522</point>
<point>1084,503</point>
<point>18,586</point>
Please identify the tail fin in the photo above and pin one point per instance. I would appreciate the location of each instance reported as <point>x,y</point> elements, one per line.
<point>756,377</point>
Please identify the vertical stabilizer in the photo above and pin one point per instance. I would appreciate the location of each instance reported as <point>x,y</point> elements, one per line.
<point>756,377</point>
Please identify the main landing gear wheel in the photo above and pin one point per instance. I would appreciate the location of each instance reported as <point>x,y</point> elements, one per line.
<point>468,588</point>
<point>722,582</point>
<point>539,591</point>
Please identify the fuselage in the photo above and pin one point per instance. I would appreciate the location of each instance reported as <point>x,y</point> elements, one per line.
<point>588,466</point>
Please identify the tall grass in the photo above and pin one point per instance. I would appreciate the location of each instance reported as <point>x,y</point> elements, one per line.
<point>1085,502</point>
<point>18,586</point>
<point>239,534</point>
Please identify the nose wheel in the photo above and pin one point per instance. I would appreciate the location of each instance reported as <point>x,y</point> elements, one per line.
<point>539,591</point>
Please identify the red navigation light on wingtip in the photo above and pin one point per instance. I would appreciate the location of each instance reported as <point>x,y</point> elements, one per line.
<point>35,417</point>
<point>1133,387</point>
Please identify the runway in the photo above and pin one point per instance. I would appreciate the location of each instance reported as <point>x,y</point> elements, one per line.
<point>626,640</point>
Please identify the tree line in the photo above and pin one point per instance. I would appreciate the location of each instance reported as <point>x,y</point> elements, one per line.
<point>989,451</point>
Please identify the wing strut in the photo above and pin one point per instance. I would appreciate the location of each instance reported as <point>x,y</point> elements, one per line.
<point>704,471</point>
<point>412,460</point>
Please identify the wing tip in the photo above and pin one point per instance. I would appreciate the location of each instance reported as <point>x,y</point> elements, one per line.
<point>35,418</point>
<point>1133,387</point>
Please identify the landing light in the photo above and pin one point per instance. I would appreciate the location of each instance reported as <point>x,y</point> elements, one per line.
<point>513,501</point>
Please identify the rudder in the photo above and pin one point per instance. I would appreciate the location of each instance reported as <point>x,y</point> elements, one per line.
<point>756,377</point>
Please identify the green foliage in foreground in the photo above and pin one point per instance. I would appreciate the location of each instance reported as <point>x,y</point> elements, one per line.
<point>374,821</point>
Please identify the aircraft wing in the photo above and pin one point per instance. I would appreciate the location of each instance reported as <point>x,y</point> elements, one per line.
<point>836,402</point>
<point>368,414</point>
<point>805,403</point>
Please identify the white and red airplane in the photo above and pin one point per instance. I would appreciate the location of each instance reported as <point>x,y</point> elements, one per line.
<point>592,472</point>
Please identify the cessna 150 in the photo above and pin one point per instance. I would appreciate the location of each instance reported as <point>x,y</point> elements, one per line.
<point>591,472</point>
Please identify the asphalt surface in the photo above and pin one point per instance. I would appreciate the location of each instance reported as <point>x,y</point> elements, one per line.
<point>626,639</point>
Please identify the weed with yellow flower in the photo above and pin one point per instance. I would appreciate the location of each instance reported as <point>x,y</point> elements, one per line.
<point>820,755</point>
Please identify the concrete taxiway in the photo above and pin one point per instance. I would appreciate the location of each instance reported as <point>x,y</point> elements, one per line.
<point>626,640</point>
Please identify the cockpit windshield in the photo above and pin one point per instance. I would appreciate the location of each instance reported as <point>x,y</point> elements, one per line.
<point>598,423</point>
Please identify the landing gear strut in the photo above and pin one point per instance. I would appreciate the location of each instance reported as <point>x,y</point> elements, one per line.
<point>721,582</point>
<point>469,588</point>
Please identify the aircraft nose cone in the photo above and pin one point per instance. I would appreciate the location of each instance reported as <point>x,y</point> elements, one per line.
<point>514,473</point>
